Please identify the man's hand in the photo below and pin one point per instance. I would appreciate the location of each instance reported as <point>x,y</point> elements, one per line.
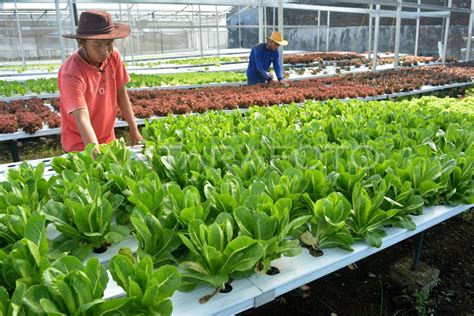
<point>270,78</point>
<point>135,137</point>
<point>95,151</point>
<point>125,106</point>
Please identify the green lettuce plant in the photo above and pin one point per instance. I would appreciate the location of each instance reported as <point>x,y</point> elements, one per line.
<point>25,186</point>
<point>25,261</point>
<point>84,218</point>
<point>70,288</point>
<point>269,223</point>
<point>12,224</point>
<point>154,240</point>
<point>367,219</point>
<point>328,226</point>
<point>215,255</point>
<point>148,290</point>
<point>185,204</point>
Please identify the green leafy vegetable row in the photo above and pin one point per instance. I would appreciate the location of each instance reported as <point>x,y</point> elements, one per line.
<point>222,195</point>
<point>139,81</point>
<point>41,86</point>
<point>33,282</point>
<point>187,61</point>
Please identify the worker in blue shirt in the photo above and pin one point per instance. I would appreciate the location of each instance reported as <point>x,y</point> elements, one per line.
<point>261,56</point>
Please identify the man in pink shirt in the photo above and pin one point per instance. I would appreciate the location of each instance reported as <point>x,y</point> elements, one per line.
<point>92,83</point>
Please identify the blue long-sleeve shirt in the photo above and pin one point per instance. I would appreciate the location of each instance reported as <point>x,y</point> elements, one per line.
<point>259,62</point>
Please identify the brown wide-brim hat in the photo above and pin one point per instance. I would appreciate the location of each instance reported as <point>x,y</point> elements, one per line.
<point>97,24</point>
<point>277,37</point>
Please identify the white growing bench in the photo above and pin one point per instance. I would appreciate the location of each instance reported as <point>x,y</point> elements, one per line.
<point>296,271</point>
<point>260,289</point>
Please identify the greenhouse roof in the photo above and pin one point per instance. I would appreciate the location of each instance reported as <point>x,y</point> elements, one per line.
<point>224,5</point>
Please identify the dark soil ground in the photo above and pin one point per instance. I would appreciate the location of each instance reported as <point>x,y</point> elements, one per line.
<point>32,148</point>
<point>367,290</point>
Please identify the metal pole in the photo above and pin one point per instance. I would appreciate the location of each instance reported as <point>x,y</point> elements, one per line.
<point>319,30</point>
<point>261,35</point>
<point>7,25</point>
<point>200,30</point>
<point>154,32</point>
<point>207,33</point>
<point>217,34</point>
<point>123,50</point>
<point>76,17</point>
<point>18,27</point>
<point>14,149</point>
<point>376,37</point>
<point>273,29</point>
<point>280,27</point>
<point>36,37</point>
<point>469,31</point>
<point>443,27</point>
<point>131,35</point>
<point>265,20</point>
<point>60,29</point>
<point>397,34</point>
<point>193,29</point>
<point>161,42</point>
<point>138,29</point>
<point>446,33</point>
<point>369,41</point>
<point>240,29</point>
<point>72,22</point>
<point>417,32</point>
<point>418,248</point>
<point>327,31</point>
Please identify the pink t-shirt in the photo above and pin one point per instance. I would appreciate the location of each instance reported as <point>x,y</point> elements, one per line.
<point>81,85</point>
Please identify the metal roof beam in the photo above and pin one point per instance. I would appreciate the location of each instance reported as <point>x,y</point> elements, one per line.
<point>415,15</point>
<point>288,4</point>
<point>394,4</point>
<point>177,2</point>
<point>384,13</point>
<point>183,2</point>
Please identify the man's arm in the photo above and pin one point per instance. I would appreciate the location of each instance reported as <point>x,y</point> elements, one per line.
<point>278,67</point>
<point>258,63</point>
<point>127,113</point>
<point>83,121</point>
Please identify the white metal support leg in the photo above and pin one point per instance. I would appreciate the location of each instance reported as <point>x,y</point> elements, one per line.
<point>369,40</point>
<point>446,33</point>
<point>200,30</point>
<point>261,35</point>
<point>376,37</point>
<point>140,47</point>
<point>319,30</point>
<point>18,27</point>
<point>217,34</point>
<point>327,31</point>
<point>60,29</point>
<point>274,20</point>
<point>129,16</point>
<point>240,28</point>
<point>122,51</point>
<point>72,22</point>
<point>417,31</point>
<point>397,34</point>
<point>280,27</point>
<point>469,32</point>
